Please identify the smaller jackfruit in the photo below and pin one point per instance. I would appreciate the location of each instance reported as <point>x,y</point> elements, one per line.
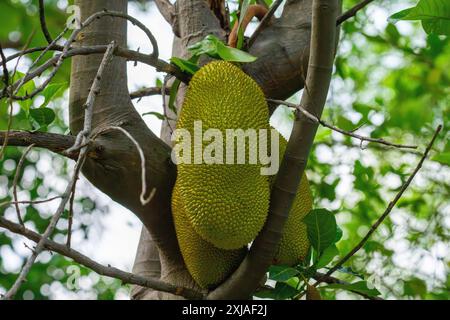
<point>208,265</point>
<point>294,244</point>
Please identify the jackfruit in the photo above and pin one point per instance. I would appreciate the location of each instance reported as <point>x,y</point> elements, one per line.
<point>294,244</point>
<point>226,204</point>
<point>208,265</point>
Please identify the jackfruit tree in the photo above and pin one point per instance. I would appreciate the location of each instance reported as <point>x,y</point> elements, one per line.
<point>348,102</point>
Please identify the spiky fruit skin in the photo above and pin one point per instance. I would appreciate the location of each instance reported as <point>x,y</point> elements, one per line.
<point>207,264</point>
<point>294,244</point>
<point>227,204</point>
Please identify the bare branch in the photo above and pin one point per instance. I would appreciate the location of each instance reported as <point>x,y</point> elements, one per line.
<point>44,28</point>
<point>5,70</point>
<point>352,12</point>
<point>167,10</point>
<point>54,142</point>
<point>35,62</point>
<point>70,219</point>
<point>16,180</point>
<point>315,119</point>
<point>130,55</point>
<point>151,91</point>
<point>388,209</point>
<point>73,37</point>
<point>112,272</point>
<point>264,22</point>
<point>8,203</point>
<point>246,278</point>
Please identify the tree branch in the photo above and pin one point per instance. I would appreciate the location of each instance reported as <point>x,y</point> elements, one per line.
<point>264,22</point>
<point>16,180</point>
<point>388,209</point>
<point>44,28</point>
<point>151,91</point>
<point>245,279</point>
<point>112,272</point>
<point>352,12</point>
<point>130,55</point>
<point>315,119</point>
<point>167,10</point>
<point>52,141</point>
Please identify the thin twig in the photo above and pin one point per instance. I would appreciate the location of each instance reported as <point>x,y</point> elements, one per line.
<point>8,129</point>
<point>313,118</point>
<point>264,22</point>
<point>35,62</point>
<point>388,209</point>
<point>9,94</point>
<point>70,218</point>
<point>44,28</point>
<point>73,37</point>
<point>16,180</point>
<point>108,271</point>
<point>8,203</point>
<point>146,92</point>
<point>5,71</point>
<point>164,102</point>
<point>352,11</point>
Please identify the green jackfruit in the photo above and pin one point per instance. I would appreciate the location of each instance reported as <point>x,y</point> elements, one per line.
<point>226,204</point>
<point>207,264</point>
<point>294,244</point>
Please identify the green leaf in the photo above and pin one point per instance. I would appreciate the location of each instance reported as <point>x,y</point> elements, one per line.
<point>434,14</point>
<point>327,256</point>
<point>282,273</point>
<point>360,286</point>
<point>281,291</point>
<point>321,228</point>
<point>233,54</point>
<point>51,91</point>
<point>339,234</point>
<point>443,158</point>
<point>42,116</point>
<point>401,15</point>
<point>213,47</point>
<point>27,88</point>
<point>185,65</point>
<point>414,287</point>
<point>156,114</point>
<point>284,291</point>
